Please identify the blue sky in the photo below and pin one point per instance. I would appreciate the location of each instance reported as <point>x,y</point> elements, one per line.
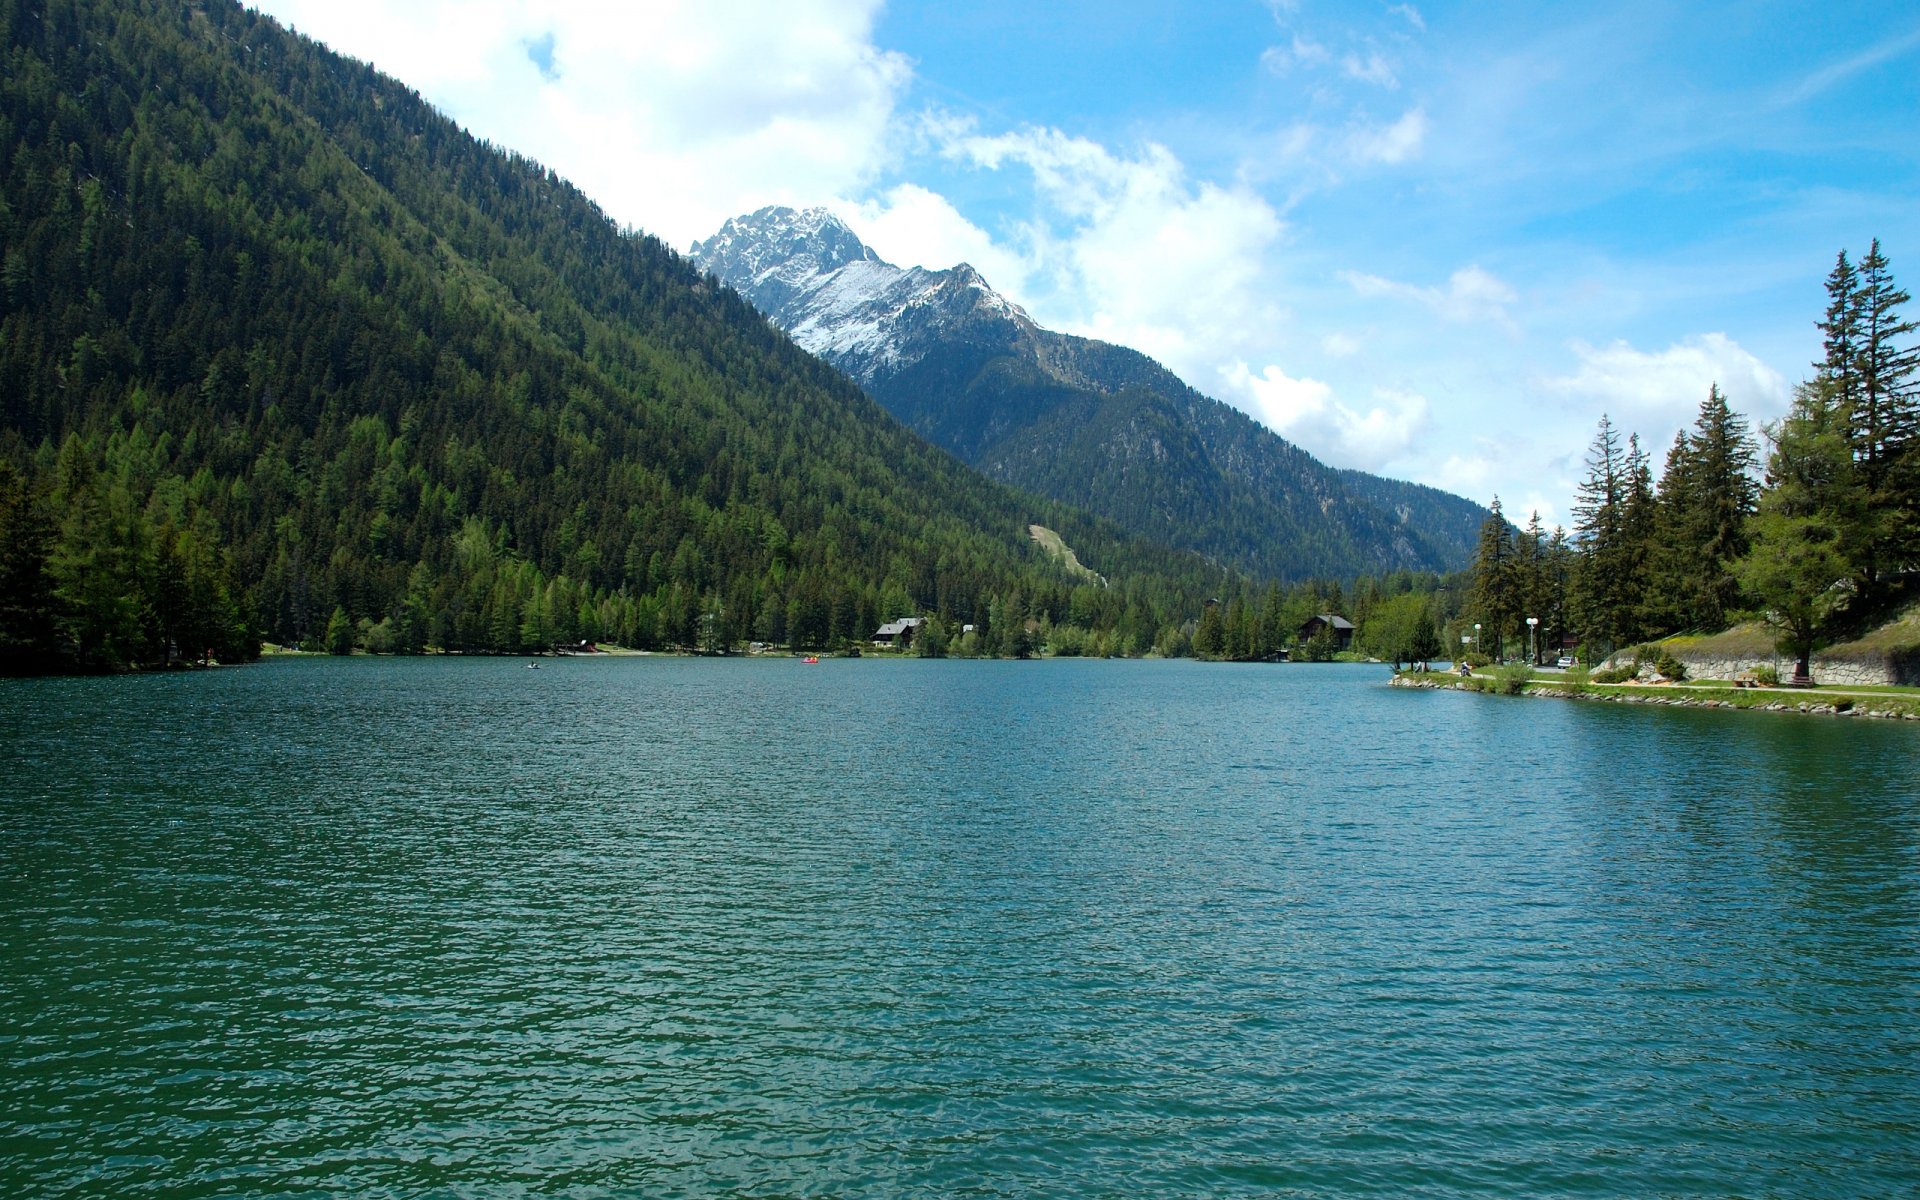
<point>1434,241</point>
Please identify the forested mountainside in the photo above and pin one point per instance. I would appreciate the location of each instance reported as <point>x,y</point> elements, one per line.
<point>1093,424</point>
<point>284,352</point>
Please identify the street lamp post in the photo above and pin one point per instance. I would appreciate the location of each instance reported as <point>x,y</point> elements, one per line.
<point>1476,635</point>
<point>1533,647</point>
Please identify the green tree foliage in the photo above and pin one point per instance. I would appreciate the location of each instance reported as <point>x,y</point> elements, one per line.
<point>1499,585</point>
<point>1883,420</point>
<point>27,610</point>
<point>1424,644</point>
<point>1210,636</point>
<point>1400,629</point>
<point>1706,497</point>
<point>278,340</point>
<point>1800,563</point>
<point>1602,596</point>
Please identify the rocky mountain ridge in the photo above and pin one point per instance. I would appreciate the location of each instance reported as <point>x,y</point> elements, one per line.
<point>1076,419</point>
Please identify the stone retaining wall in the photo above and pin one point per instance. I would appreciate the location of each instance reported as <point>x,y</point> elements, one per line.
<point>1841,707</point>
<point>1895,669</point>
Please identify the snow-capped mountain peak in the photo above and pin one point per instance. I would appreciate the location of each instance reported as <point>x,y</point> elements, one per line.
<point>833,295</point>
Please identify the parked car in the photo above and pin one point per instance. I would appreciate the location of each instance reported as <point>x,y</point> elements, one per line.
<point>1566,661</point>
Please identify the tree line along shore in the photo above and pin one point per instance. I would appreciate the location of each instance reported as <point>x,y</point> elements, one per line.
<point>1820,546</point>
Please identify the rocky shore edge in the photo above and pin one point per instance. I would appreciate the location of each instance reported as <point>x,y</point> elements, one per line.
<point>1839,706</point>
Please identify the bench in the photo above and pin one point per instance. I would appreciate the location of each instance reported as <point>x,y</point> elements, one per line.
<point>1745,679</point>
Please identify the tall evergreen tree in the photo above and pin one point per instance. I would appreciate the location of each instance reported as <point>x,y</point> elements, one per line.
<point>1496,583</point>
<point>1636,535</point>
<point>1558,565</point>
<point>1706,495</point>
<point>1884,420</point>
<point>1721,496</point>
<point>1602,598</point>
<point>1531,583</point>
<point>1670,576</point>
<point>1799,564</point>
<point>1839,366</point>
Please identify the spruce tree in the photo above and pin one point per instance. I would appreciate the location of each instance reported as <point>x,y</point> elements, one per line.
<point>1531,588</point>
<point>1721,498</point>
<point>1600,592</point>
<point>1884,421</point>
<point>1667,604</point>
<point>1840,365</point>
<point>1799,565</point>
<point>1556,616</point>
<point>1636,537</point>
<point>1496,582</point>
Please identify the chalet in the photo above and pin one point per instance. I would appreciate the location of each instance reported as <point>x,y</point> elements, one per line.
<point>898,633</point>
<point>1340,627</point>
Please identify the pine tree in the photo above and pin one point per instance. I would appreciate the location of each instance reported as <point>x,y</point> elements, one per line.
<point>1601,600</point>
<point>1706,495</point>
<point>1840,365</point>
<point>1531,584</point>
<point>1637,532</point>
<point>1496,582</point>
<point>1556,617</point>
<point>1721,497</point>
<point>1667,604</point>
<point>1800,561</point>
<point>1884,421</point>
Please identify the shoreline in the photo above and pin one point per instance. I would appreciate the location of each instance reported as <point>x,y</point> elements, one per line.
<point>1869,705</point>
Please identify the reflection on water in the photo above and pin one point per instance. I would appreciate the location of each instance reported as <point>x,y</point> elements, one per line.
<point>676,927</point>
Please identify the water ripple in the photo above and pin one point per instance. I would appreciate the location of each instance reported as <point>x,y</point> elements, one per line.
<point>679,928</point>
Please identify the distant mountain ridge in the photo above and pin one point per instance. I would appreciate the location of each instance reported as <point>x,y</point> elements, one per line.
<point>1094,424</point>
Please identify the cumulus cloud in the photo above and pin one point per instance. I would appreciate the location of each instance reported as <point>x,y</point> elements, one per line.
<point>673,115</point>
<point>1306,411</point>
<point>1128,249</point>
<point>910,226</point>
<point>1472,295</point>
<point>1668,385</point>
<point>1393,143</point>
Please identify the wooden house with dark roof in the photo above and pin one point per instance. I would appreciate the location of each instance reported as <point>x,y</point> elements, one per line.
<point>1338,626</point>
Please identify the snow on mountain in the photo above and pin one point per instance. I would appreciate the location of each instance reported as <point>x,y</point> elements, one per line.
<point>814,278</point>
<point>1082,421</point>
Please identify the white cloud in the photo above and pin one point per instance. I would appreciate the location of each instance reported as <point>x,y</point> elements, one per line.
<point>1472,295</point>
<point>1668,385</point>
<point>1469,475</point>
<point>1340,345</point>
<point>1371,69</point>
<point>1412,15</point>
<point>1393,143</point>
<point>1129,250</point>
<point>1306,411</point>
<point>911,226</point>
<point>673,115</point>
<point>1299,52</point>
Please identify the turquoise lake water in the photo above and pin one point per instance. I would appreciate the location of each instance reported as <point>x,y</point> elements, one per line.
<point>673,927</point>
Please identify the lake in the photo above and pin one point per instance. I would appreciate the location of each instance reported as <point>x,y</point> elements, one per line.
<point>681,927</point>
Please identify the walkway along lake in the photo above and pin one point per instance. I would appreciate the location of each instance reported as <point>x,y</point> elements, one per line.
<point>682,927</point>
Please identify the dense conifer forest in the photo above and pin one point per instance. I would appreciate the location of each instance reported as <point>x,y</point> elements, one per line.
<point>1825,540</point>
<point>285,354</point>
